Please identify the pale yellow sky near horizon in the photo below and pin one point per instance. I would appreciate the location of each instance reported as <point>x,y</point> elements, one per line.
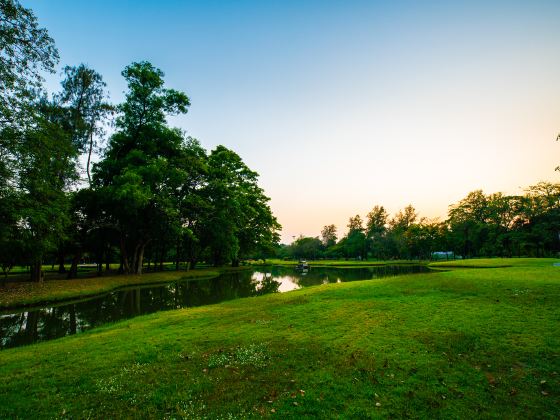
<point>428,148</point>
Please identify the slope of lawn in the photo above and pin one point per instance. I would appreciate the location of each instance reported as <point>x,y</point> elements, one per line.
<point>494,263</point>
<point>454,344</point>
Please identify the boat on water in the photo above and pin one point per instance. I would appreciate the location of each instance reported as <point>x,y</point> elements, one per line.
<point>302,265</point>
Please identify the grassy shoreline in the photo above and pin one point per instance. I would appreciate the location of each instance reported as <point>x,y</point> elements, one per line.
<point>19,295</point>
<point>25,294</point>
<point>458,343</point>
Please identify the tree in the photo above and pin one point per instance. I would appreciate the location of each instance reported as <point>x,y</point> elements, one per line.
<point>403,219</point>
<point>46,168</point>
<point>376,228</point>
<point>11,246</point>
<point>376,222</point>
<point>306,247</point>
<point>355,241</point>
<point>139,174</point>
<point>328,235</point>
<point>84,96</point>
<point>239,219</point>
<point>467,221</point>
<point>25,51</point>
<point>397,242</point>
<point>355,224</point>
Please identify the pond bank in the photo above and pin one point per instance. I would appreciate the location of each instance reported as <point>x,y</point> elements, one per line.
<point>27,325</point>
<point>24,294</point>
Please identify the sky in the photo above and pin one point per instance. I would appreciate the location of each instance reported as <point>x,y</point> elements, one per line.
<point>343,105</point>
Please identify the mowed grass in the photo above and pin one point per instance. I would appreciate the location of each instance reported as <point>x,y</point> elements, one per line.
<point>31,293</point>
<point>480,343</point>
<point>494,263</point>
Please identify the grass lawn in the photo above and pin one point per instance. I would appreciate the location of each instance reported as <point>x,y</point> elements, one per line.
<point>30,293</point>
<point>454,344</point>
<point>494,263</point>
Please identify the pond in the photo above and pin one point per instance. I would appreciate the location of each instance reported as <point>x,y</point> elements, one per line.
<point>31,325</point>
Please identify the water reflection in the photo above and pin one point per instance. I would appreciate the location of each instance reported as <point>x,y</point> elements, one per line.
<point>291,279</point>
<point>51,322</point>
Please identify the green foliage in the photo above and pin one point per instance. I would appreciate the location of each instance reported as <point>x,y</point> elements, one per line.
<point>328,235</point>
<point>84,96</point>
<point>478,225</point>
<point>147,102</point>
<point>140,171</point>
<point>159,189</point>
<point>239,220</point>
<point>25,51</point>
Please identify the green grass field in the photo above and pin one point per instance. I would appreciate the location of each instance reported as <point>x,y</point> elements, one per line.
<point>479,343</point>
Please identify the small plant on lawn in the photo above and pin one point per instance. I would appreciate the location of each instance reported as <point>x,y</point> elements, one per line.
<point>255,355</point>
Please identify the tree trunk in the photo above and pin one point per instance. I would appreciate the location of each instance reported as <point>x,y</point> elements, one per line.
<point>121,266</point>
<point>37,271</point>
<point>89,156</point>
<point>125,267</point>
<point>73,273</point>
<point>107,262</point>
<point>134,265</point>
<point>61,267</point>
<point>140,259</point>
<point>177,255</point>
<point>162,254</point>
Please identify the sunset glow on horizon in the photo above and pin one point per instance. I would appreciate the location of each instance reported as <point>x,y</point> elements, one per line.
<point>340,106</point>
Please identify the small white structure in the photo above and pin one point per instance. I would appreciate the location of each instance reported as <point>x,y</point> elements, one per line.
<point>443,255</point>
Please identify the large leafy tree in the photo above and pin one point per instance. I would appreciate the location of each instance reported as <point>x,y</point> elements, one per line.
<point>376,228</point>
<point>328,235</point>
<point>398,238</point>
<point>239,220</point>
<point>355,241</point>
<point>26,50</point>
<point>84,96</point>
<point>47,168</point>
<point>140,172</point>
<point>80,110</point>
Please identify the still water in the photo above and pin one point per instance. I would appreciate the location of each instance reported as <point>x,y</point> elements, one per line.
<point>49,322</point>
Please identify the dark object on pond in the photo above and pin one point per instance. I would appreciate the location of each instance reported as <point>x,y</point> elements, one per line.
<point>302,265</point>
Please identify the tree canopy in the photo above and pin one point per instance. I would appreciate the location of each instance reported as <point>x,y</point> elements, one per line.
<point>155,192</point>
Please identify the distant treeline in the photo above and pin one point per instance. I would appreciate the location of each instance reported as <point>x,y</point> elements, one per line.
<point>478,225</point>
<point>155,193</point>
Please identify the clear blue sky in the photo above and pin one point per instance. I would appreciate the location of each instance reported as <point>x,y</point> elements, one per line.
<point>341,105</point>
